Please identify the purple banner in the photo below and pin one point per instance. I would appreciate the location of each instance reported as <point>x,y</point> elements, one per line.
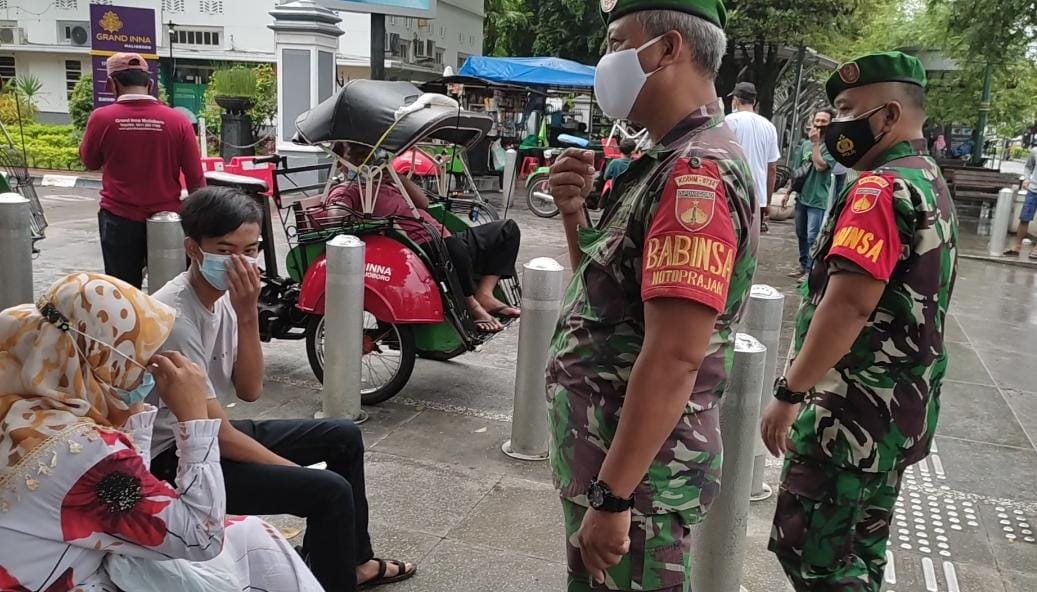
<point>116,29</point>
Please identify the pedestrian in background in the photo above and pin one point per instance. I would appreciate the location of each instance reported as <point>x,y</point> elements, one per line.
<point>142,146</point>
<point>637,365</point>
<point>815,176</point>
<point>861,393</point>
<point>759,141</point>
<point>1029,207</point>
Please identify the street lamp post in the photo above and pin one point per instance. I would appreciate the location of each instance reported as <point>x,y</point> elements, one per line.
<point>984,111</point>
<point>172,65</point>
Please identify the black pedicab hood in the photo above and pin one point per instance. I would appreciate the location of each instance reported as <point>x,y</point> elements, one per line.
<point>364,109</point>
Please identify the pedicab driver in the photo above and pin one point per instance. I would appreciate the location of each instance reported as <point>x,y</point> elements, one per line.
<point>862,392</point>
<point>638,361</point>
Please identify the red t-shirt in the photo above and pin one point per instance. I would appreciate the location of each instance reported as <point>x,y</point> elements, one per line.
<point>142,146</point>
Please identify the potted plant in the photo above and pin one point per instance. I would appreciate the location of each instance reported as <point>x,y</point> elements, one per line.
<point>234,88</point>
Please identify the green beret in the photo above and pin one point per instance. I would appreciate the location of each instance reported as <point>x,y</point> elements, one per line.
<point>891,66</point>
<point>710,10</point>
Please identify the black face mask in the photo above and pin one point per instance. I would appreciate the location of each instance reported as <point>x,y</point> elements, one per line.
<point>850,139</point>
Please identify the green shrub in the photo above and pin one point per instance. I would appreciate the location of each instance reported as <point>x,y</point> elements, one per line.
<point>262,112</point>
<point>81,103</point>
<point>1019,153</point>
<point>48,146</point>
<point>238,81</point>
<point>11,105</point>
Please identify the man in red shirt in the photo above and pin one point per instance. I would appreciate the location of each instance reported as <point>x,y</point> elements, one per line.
<point>142,146</point>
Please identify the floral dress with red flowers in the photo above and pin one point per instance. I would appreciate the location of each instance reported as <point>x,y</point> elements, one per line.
<point>88,494</point>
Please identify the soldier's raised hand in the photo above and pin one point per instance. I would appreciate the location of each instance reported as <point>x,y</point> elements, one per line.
<point>572,178</point>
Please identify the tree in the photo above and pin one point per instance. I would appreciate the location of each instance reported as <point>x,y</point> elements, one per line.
<point>570,29</point>
<point>505,22</point>
<point>758,30</point>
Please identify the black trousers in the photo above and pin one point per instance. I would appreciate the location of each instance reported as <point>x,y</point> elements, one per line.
<point>487,249</point>
<point>124,246</point>
<point>334,501</point>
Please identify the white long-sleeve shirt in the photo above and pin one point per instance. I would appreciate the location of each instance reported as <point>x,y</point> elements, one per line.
<point>89,493</point>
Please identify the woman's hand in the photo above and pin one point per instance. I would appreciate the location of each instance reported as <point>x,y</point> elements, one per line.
<point>181,384</point>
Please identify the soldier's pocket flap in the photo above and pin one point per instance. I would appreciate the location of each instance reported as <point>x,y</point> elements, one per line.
<point>601,245</point>
<point>822,484</point>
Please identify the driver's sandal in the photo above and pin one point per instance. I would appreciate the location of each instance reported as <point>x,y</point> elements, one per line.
<point>381,578</point>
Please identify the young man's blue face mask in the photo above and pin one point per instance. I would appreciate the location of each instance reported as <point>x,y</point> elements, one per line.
<point>214,269</point>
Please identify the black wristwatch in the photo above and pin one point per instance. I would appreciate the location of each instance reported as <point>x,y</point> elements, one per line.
<point>601,498</point>
<point>782,392</point>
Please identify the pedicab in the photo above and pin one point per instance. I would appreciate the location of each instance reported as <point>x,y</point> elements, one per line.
<point>413,302</point>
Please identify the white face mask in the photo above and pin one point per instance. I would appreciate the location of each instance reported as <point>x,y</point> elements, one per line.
<point>618,81</point>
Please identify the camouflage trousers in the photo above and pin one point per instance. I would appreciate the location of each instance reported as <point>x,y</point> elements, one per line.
<point>832,525</point>
<point>659,557</point>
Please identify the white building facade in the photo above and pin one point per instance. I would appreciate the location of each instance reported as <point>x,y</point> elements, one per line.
<point>51,40</point>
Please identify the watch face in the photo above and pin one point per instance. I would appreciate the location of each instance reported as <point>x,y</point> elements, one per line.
<point>596,496</point>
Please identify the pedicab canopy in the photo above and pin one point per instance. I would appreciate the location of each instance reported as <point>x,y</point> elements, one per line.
<point>390,115</point>
<point>549,72</point>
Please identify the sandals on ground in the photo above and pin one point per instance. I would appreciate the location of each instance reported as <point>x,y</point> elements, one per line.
<point>402,574</point>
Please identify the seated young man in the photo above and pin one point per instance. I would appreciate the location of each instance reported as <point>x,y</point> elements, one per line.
<point>264,462</point>
<point>487,252</point>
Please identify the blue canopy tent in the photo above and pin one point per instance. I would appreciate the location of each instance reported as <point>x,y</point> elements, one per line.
<point>550,72</point>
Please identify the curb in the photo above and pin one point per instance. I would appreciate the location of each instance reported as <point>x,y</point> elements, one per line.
<point>69,181</point>
<point>1001,260</point>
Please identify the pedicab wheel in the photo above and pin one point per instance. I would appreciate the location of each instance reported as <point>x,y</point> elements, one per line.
<point>544,208</point>
<point>387,363</point>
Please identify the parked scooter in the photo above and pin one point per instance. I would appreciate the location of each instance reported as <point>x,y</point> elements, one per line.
<point>538,186</point>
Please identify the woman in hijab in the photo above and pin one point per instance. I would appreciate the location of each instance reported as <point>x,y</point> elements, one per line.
<point>76,497</point>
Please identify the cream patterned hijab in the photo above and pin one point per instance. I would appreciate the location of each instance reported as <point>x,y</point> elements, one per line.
<point>54,380</point>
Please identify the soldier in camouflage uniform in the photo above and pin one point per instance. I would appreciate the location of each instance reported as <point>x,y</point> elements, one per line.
<point>644,344</point>
<point>868,355</point>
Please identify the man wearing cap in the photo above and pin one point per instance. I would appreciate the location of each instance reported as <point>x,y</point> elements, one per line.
<point>142,146</point>
<point>759,140</point>
<point>639,359</point>
<point>862,390</point>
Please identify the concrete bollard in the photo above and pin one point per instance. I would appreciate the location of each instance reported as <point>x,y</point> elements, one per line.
<point>763,321</point>
<point>15,251</point>
<point>718,548</point>
<point>510,168</point>
<point>167,257</point>
<point>541,301</point>
<point>1002,220</point>
<point>343,328</point>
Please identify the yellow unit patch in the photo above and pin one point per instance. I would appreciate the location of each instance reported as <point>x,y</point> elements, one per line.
<point>700,180</point>
<point>873,180</point>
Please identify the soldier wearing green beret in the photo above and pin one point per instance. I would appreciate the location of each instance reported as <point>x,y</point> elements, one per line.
<point>861,393</point>
<point>640,355</point>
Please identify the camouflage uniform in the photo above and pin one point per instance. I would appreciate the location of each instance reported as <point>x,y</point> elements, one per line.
<point>875,412</point>
<point>681,226</point>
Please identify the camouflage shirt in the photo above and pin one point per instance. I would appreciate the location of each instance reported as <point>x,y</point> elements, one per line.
<point>679,226</point>
<point>876,410</point>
